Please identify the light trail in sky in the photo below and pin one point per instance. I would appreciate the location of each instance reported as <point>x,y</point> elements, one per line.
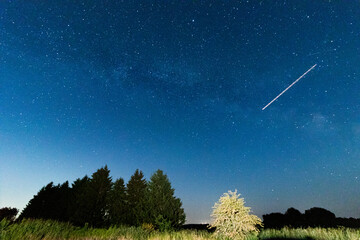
<point>289,87</point>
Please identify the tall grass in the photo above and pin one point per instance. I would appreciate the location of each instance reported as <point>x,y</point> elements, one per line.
<point>52,230</point>
<point>312,233</point>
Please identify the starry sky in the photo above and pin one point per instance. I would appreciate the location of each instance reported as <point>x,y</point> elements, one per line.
<point>179,86</point>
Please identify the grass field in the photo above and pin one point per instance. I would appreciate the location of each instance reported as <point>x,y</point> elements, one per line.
<point>40,229</point>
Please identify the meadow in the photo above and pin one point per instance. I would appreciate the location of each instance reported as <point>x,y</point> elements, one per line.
<point>51,230</point>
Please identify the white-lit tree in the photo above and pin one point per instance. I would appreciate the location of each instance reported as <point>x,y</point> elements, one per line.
<point>232,219</point>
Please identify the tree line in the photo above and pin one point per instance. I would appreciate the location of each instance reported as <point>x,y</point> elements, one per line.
<point>97,201</point>
<point>313,217</point>
<point>8,213</point>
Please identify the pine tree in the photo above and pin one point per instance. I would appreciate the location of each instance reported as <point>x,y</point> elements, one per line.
<point>100,187</point>
<point>117,203</point>
<point>51,202</point>
<point>35,207</point>
<point>81,206</point>
<point>61,202</point>
<point>165,209</point>
<point>135,197</point>
<point>232,219</point>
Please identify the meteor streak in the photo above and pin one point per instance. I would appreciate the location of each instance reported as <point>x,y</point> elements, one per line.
<point>289,86</point>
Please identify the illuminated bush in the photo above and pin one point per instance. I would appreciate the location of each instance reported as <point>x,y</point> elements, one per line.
<point>232,219</point>
<point>148,227</point>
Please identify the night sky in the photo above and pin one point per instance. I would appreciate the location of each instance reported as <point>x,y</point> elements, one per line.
<point>179,86</point>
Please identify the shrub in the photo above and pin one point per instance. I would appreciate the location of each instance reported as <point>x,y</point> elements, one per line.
<point>163,224</point>
<point>148,227</point>
<point>232,219</point>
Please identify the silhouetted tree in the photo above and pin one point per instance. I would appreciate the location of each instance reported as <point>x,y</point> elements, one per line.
<point>293,218</point>
<point>8,213</point>
<point>35,206</point>
<point>319,217</point>
<point>163,206</point>
<point>100,187</point>
<point>62,202</point>
<point>117,203</point>
<point>135,197</point>
<point>51,202</point>
<point>81,207</point>
<point>274,220</point>
<point>348,222</point>
<point>314,217</point>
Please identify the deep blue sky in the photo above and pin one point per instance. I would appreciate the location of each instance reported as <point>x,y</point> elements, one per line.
<point>179,85</point>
